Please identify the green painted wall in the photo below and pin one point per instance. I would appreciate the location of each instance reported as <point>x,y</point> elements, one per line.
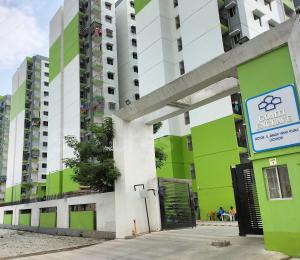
<point>7,219</point>
<point>280,217</point>
<point>215,149</point>
<point>13,193</point>
<point>54,59</point>
<point>18,101</point>
<point>25,219</point>
<point>83,220</point>
<point>60,182</point>
<point>40,191</point>
<point>140,4</point>
<point>71,40</point>
<point>68,183</point>
<point>48,220</point>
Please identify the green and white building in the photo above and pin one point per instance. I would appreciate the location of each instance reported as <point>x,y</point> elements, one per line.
<point>28,133</point>
<point>174,38</point>
<point>4,133</point>
<point>83,79</point>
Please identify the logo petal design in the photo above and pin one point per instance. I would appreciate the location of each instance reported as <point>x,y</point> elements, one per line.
<point>269,103</point>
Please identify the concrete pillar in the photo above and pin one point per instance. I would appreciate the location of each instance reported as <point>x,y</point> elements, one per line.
<point>135,157</point>
<point>35,216</point>
<point>62,214</point>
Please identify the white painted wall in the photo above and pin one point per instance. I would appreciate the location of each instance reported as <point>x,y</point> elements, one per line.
<point>105,210</point>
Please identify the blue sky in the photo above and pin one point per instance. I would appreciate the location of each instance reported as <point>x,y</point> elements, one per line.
<point>24,31</point>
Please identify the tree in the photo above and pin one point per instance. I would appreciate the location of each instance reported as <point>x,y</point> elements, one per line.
<point>160,156</point>
<point>93,163</point>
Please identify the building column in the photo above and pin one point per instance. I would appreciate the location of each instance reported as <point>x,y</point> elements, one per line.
<point>135,158</point>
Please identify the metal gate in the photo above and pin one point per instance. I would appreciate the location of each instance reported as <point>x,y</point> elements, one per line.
<point>248,212</point>
<point>176,203</point>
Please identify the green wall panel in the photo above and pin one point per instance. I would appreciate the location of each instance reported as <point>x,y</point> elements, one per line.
<point>40,191</point>
<point>280,217</point>
<point>71,40</point>
<point>215,149</point>
<point>18,101</point>
<point>48,220</point>
<point>25,219</point>
<point>83,220</point>
<point>140,4</point>
<point>7,219</point>
<point>54,183</point>
<point>55,59</point>
<point>13,193</point>
<point>68,183</point>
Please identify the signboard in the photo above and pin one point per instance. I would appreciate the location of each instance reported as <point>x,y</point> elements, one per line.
<point>274,119</point>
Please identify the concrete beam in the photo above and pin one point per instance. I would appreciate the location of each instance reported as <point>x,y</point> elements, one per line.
<point>210,73</point>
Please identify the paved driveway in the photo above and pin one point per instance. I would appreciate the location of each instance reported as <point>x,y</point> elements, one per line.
<point>175,244</point>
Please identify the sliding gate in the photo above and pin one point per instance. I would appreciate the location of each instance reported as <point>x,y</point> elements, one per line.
<point>248,212</point>
<point>176,204</point>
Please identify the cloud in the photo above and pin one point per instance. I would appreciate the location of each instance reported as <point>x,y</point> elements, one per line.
<point>20,35</point>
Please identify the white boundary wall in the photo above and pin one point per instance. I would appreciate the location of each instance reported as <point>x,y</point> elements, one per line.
<point>105,210</point>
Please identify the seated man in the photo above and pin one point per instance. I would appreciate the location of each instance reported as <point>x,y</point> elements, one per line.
<point>232,213</point>
<point>220,213</point>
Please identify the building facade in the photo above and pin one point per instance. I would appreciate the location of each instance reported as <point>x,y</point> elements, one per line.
<point>28,134</point>
<point>127,52</point>
<point>83,79</point>
<point>4,133</point>
<point>171,43</point>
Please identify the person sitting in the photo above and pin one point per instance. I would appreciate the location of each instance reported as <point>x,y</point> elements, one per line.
<point>220,212</point>
<point>232,213</point>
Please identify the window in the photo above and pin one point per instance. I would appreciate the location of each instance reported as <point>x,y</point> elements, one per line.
<point>136,69</point>
<point>232,11</point>
<point>133,42</point>
<point>46,103</point>
<point>46,74</point>
<point>110,61</point>
<point>46,93</point>
<point>108,18</point>
<point>44,155</point>
<point>132,16</point>
<point>136,82</point>
<point>45,144</point>
<point>133,29</point>
<point>46,84</point>
<point>45,123</point>
<point>111,106</point>
<point>45,113</point>
<point>192,171</point>
<point>268,3</point>
<point>47,65</point>
<point>177,22</point>
<point>181,67</point>
<point>189,143</point>
<point>236,38</point>
<point>109,46</point>
<point>45,133</point>
<point>109,33</point>
<point>187,118</point>
<point>110,75</point>
<point>134,55</point>
<point>108,6</point>
<point>44,165</point>
<point>132,4</point>
<point>44,176</point>
<point>256,17</point>
<point>175,2</point>
<point>278,182</point>
<point>179,44</point>
<point>111,90</point>
<point>137,96</point>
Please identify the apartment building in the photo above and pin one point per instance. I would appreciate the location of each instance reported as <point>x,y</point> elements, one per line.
<point>127,52</point>
<point>177,36</point>
<point>28,134</point>
<point>4,132</point>
<point>83,79</point>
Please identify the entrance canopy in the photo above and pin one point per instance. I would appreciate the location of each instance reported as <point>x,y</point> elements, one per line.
<point>215,79</point>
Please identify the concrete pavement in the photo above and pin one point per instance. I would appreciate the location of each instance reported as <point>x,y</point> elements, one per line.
<point>175,244</point>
